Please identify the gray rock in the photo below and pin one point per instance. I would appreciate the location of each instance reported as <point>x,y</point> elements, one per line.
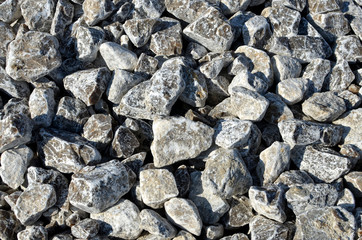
<point>229,7</point>
<point>139,30</point>
<point>322,164</point>
<point>214,231</point>
<point>96,11</point>
<point>273,161</point>
<point>316,73</point>
<point>38,15</point>
<point>346,200</point>
<point>114,31</point>
<point>354,183</point>
<point>16,106</point>
<point>284,21</point>
<point>184,235</point>
<point>316,6</point>
<point>16,130</point>
<point>190,10</point>
<point>196,50</point>
<point>183,213</point>
<point>35,200</point>
<point>298,132</point>
<point>31,47</point>
<point>340,78</point>
<point>240,213</point>
<point>268,202</point>
<point>210,206</point>
<point>195,92</point>
<point>358,216</point>
<point>64,237</point>
<point>87,42</point>
<point>217,90</point>
<point>149,8</point>
<point>183,180</point>
<point>157,186</point>
<point>10,11</point>
<point>298,5</point>
<point>17,89</point>
<point>250,81</point>
<point>86,228</point>
<point>277,110</point>
<point>71,115</point>
<point>12,198</point>
<point>98,130</point>
<point>302,198</point>
<point>292,90</point>
<point>256,32</point>
<point>33,232</point>
<point>348,48</point>
<point>153,223</point>
<point>226,173</point>
<point>190,138</point>
<point>7,35</point>
<point>285,67</point>
<point>350,99</point>
<point>240,63</point>
<point>357,27</point>
<point>293,177</point>
<point>63,16</point>
<point>14,163</point>
<point>238,20</point>
<point>9,225</point>
<point>322,222</point>
<point>96,188</point>
<point>146,65</point>
<point>232,133</point>
<point>124,143</point>
<point>67,152</point>
<point>215,63</point>
<point>264,228</point>
<point>122,220</point>
<point>206,30</point>
<point>42,106</point>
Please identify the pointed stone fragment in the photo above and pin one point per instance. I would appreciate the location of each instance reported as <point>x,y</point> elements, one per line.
<point>232,133</point>
<point>264,228</point>
<point>96,11</point>
<point>38,15</point>
<point>152,222</point>
<point>139,30</point>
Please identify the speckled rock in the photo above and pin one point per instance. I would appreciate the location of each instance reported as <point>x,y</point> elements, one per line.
<point>88,85</point>
<point>74,150</point>
<point>210,206</point>
<point>277,110</point>
<point>63,16</point>
<point>96,188</point>
<point>7,35</point>
<point>146,65</point>
<point>322,164</point>
<point>284,21</point>
<point>348,48</point>
<point>268,202</point>
<point>9,225</point>
<point>273,161</point>
<point>292,90</point>
<point>149,8</point>
<point>298,5</point>
<point>195,92</point>
<point>35,200</point>
<point>354,182</point>
<point>226,183</point>
<point>16,130</point>
<point>240,213</point>
<point>211,30</point>
<point>264,228</point>
<point>293,177</point>
<point>346,200</point>
<point>190,138</point>
<point>157,186</point>
<point>139,30</point>
<point>122,220</point>
<point>14,163</point>
<point>31,47</point>
<point>217,89</point>
<point>350,99</point>
<point>86,228</point>
<point>183,213</point>
<point>316,73</point>
<point>10,11</point>
<point>316,6</point>
<point>285,67</point>
<point>214,231</point>
<point>87,42</point>
<point>98,130</point>
<point>232,133</point>
<point>196,50</point>
<point>96,11</point>
<point>250,81</point>
<point>153,223</point>
<point>33,232</point>
<point>256,32</point>
<point>214,63</point>
<point>324,107</point>
<point>190,10</point>
<point>42,106</point>
<point>38,15</point>
<point>17,89</point>
<point>322,222</point>
<point>124,143</point>
<point>302,198</point>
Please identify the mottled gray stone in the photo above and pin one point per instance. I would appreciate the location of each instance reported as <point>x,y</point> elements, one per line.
<point>157,186</point>
<point>211,30</point>
<point>96,11</point>
<point>7,35</point>
<point>217,89</point>
<point>114,31</point>
<point>322,223</point>
<point>15,130</point>
<point>273,161</point>
<point>356,26</point>
<point>346,200</point>
<point>293,177</point>
<point>184,214</point>
<point>268,202</point>
<point>195,92</point>
<point>302,198</point>
<point>240,213</point>
<point>65,237</point>
<point>10,10</point>
<point>256,32</point>
<point>31,47</point>
<point>33,232</point>
<point>17,89</point>
<point>183,180</point>
<point>42,106</point>
<point>74,150</point>
<point>292,90</point>
<point>187,10</point>
<point>12,198</point>
<point>354,182</point>
<point>232,133</point>
<point>214,63</point>
<point>124,143</point>
<point>38,15</point>
<point>210,206</point>
<point>285,67</point>
<point>122,220</point>
<point>322,164</point>
<point>226,173</point>
<point>264,228</point>
<point>188,137</point>
<point>71,115</point>
<point>277,110</point>
<point>284,21</point>
<point>250,81</point>
<point>348,48</point>
<point>87,42</point>
<point>351,99</point>
<point>16,106</point>
<point>214,231</point>
<point>196,50</point>
<point>229,7</point>
<point>14,163</point>
<point>316,6</point>
<point>63,16</point>
<point>9,225</point>
<point>236,236</point>
<point>86,228</point>
<point>149,8</point>
<point>139,30</point>
<point>240,63</point>
<point>98,130</point>
<point>35,200</point>
<point>146,65</point>
<point>358,216</point>
<point>96,188</point>
<point>238,20</point>
<point>316,73</point>
<point>153,223</point>
<point>298,5</point>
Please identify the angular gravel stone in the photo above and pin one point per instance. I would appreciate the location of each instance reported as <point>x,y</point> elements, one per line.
<point>348,48</point>
<point>96,188</point>
<point>211,30</point>
<point>38,15</point>
<point>351,130</point>
<point>292,90</point>
<point>88,85</point>
<point>298,5</point>
<point>9,225</point>
<point>284,21</point>
<point>35,200</point>
<point>124,143</point>
<point>121,221</point>
<point>322,164</point>
<point>153,223</point>
<point>7,35</point>
<point>32,47</point>
<point>273,161</point>
<point>316,73</point>
<point>98,130</point>
<point>226,173</point>
<point>215,63</point>
<point>139,30</point>
<point>87,228</point>
<point>308,196</point>
<point>232,133</point>
<point>214,231</point>
<point>188,137</point>
<point>195,92</point>
<point>322,222</point>
<point>67,152</point>
<point>210,206</point>
<point>87,42</point>
<point>346,200</point>
<point>293,177</point>
<point>268,202</point>
<point>16,130</point>
<point>33,232</point>
<point>146,65</point>
<point>298,132</point>
<point>63,16</point>
<point>16,106</point>
<point>240,213</point>
<point>238,20</point>
<point>264,228</point>
<point>285,67</point>
<point>71,115</point>
<point>350,99</point>
<point>256,32</point>
<point>316,6</point>
<point>183,213</point>
<point>10,11</point>
<point>324,107</point>
<point>157,186</point>
<point>354,183</point>
<point>277,110</point>
<point>14,163</point>
<point>217,89</point>
<point>96,11</point>
<point>187,10</point>
<point>149,8</point>
<point>42,106</point>
<point>249,81</point>
<point>17,89</point>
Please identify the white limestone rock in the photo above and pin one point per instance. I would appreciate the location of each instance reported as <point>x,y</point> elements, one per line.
<point>232,133</point>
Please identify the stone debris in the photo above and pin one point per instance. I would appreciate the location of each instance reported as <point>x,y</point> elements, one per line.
<point>95,11</point>
<point>240,213</point>
<point>33,232</point>
<point>354,183</point>
<point>152,222</point>
<point>264,228</point>
<point>232,133</point>
<point>256,32</point>
<point>98,130</point>
<point>42,106</point>
<point>85,229</point>
<point>87,42</point>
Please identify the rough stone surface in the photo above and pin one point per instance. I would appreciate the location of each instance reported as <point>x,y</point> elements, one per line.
<point>9,225</point>
<point>33,232</point>
<point>16,89</point>
<point>292,90</point>
<point>149,8</point>
<point>340,77</point>
<point>214,63</point>
<point>95,11</point>
<point>10,11</point>
<point>85,229</point>
<point>38,15</point>
<point>346,200</point>
<point>316,73</point>
<point>42,106</point>
<point>277,110</point>
<point>98,130</point>
<point>7,35</point>
<point>152,222</point>
<point>285,67</point>
<point>124,143</point>
<point>63,16</point>
<point>87,42</point>
<point>190,10</point>
<point>293,177</point>
<point>354,183</point>
<point>284,21</point>
<point>256,32</point>
<point>139,30</point>
<point>232,133</point>
<point>240,213</point>
<point>264,228</point>
<point>249,81</point>
<point>195,92</point>
<point>348,48</point>
<point>214,231</point>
